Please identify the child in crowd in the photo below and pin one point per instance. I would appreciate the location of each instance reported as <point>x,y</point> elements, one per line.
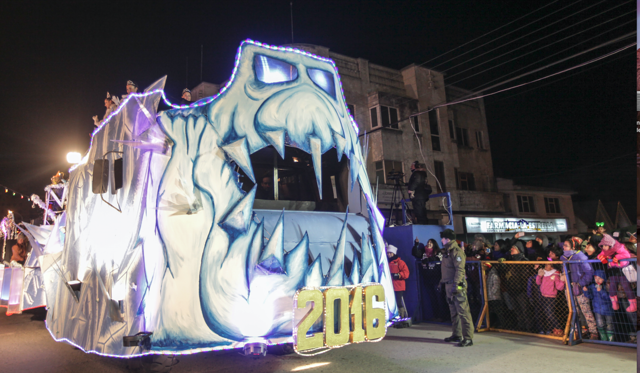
<point>601,305</point>
<point>550,282</point>
<point>615,250</point>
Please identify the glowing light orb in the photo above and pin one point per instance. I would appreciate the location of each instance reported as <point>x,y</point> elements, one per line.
<point>74,157</point>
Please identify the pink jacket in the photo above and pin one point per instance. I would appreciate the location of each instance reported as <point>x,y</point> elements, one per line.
<point>549,285</point>
<point>617,251</point>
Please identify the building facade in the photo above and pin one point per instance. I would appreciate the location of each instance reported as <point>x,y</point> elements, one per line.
<point>452,142</point>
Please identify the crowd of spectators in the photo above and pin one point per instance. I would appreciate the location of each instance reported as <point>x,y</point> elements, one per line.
<point>533,298</point>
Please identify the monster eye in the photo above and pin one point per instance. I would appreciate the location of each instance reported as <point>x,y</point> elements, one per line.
<point>324,80</point>
<point>270,70</point>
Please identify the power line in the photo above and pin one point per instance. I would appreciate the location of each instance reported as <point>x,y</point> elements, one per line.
<point>464,99</point>
<point>524,36</point>
<point>557,80</point>
<point>519,28</point>
<point>540,60</point>
<point>492,31</point>
<point>535,50</point>
<point>625,36</point>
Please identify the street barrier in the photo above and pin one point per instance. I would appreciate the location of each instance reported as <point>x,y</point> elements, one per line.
<point>574,303</point>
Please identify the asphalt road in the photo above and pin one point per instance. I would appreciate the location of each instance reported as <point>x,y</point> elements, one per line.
<point>26,346</point>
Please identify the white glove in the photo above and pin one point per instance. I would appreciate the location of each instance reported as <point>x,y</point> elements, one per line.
<point>95,120</point>
<point>115,100</point>
<point>412,194</point>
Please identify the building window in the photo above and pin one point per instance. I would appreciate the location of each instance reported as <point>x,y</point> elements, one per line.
<point>439,170</point>
<point>435,134</point>
<point>352,110</point>
<point>374,117</point>
<point>389,115</point>
<point>465,180</point>
<point>462,136</point>
<point>386,167</point>
<point>552,205</point>
<point>526,204</point>
<point>416,123</point>
<point>479,140</point>
<point>452,131</point>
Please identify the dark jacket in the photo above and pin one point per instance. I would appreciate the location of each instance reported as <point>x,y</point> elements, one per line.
<point>453,263</point>
<point>418,250</point>
<point>581,273</point>
<point>600,299</point>
<point>418,184</point>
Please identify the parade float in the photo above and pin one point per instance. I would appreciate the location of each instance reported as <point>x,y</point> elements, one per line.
<point>174,242</point>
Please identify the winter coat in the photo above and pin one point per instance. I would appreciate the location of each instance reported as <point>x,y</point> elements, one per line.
<point>580,273</point>
<point>493,285</point>
<point>550,283</point>
<point>600,299</point>
<point>398,265</point>
<point>516,275</point>
<point>617,250</point>
<point>108,112</point>
<point>418,250</point>
<point>418,184</point>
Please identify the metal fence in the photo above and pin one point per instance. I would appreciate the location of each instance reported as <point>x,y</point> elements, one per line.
<point>570,301</point>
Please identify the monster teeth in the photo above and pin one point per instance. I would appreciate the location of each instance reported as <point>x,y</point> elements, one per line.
<point>369,265</point>
<point>238,219</point>
<point>276,138</point>
<point>254,251</point>
<point>272,257</point>
<point>239,153</point>
<point>296,261</point>
<point>355,169</point>
<point>336,271</point>
<point>316,155</point>
<point>314,273</point>
<point>340,145</point>
<point>355,270</point>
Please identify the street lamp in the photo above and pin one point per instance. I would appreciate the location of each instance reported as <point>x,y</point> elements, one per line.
<point>74,157</point>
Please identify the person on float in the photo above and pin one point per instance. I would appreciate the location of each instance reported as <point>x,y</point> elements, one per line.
<point>131,87</point>
<point>19,251</point>
<point>111,105</point>
<point>419,191</point>
<point>186,97</point>
<point>453,278</point>
<point>399,272</point>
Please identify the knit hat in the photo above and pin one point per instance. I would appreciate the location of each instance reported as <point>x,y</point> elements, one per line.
<point>600,273</point>
<point>519,246</point>
<point>448,233</point>
<point>392,249</point>
<point>607,240</point>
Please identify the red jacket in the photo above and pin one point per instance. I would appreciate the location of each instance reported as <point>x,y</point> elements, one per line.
<point>399,266</point>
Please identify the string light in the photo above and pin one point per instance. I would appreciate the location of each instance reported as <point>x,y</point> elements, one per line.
<point>223,90</point>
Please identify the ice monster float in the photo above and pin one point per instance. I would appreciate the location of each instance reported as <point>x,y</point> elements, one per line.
<point>175,239</point>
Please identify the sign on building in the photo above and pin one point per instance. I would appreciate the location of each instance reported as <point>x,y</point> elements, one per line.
<point>505,225</point>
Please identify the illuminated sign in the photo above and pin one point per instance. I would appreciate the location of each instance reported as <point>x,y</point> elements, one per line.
<point>506,225</point>
<point>348,315</point>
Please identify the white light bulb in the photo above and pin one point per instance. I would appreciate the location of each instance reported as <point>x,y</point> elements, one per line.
<point>73,157</point>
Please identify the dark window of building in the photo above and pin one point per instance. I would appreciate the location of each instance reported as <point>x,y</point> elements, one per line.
<point>374,117</point>
<point>379,172</point>
<point>526,204</point>
<point>435,131</point>
<point>552,205</point>
<point>439,170</point>
<point>465,181</point>
<point>416,123</point>
<point>352,110</point>
<point>389,115</point>
<point>452,131</point>
<point>479,140</point>
<point>462,136</point>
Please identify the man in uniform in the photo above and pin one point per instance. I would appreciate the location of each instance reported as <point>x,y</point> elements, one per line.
<point>419,192</point>
<point>453,262</point>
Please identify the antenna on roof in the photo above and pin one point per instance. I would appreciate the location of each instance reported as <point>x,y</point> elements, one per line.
<point>291,7</point>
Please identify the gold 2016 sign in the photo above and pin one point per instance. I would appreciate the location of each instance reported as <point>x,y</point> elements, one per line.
<point>347,314</point>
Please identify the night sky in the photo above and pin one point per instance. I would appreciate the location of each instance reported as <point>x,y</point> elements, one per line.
<point>576,130</point>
